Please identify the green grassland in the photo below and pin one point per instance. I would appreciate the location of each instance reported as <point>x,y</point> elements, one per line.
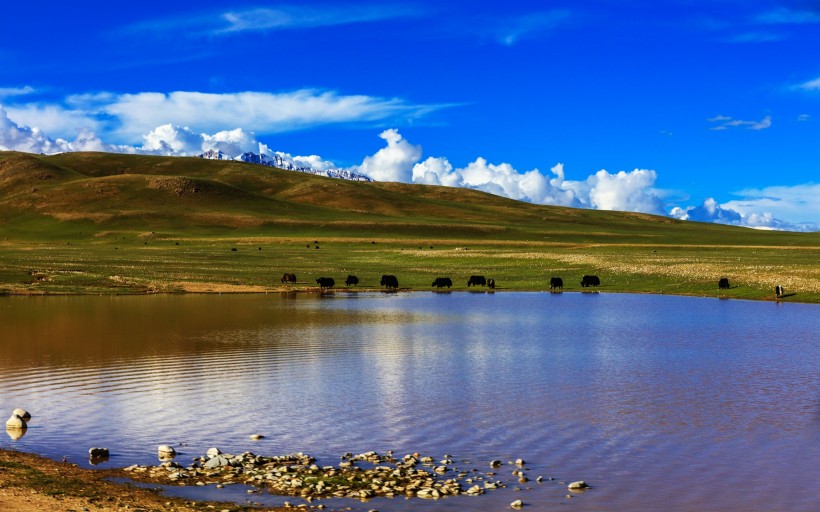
<point>112,224</point>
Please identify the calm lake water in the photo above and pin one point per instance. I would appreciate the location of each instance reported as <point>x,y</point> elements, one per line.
<point>669,403</point>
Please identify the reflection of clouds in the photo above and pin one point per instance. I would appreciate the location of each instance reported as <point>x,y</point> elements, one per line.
<point>455,372</point>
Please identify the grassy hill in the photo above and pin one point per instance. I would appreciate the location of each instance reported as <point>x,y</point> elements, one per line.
<point>107,223</point>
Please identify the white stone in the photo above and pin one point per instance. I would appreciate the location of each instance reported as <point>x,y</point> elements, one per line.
<point>15,422</point>
<point>580,484</point>
<point>23,414</point>
<point>517,504</point>
<point>166,452</point>
<point>213,452</point>
<point>256,437</point>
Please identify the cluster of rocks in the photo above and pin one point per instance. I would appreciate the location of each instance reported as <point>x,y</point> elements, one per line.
<point>361,476</point>
<point>17,423</point>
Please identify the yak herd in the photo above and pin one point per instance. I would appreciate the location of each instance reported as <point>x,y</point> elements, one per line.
<point>391,282</point>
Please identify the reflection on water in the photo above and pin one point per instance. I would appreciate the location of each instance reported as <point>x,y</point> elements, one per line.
<point>16,433</point>
<point>680,403</point>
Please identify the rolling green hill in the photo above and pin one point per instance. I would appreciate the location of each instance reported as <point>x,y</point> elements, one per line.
<point>108,223</point>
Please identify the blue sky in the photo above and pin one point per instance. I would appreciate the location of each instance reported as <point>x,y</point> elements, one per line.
<point>700,110</point>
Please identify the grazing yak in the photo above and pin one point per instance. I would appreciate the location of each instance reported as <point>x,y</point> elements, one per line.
<point>778,291</point>
<point>351,280</point>
<point>590,281</point>
<point>723,284</point>
<point>441,282</point>
<point>491,283</point>
<point>476,280</point>
<point>556,283</point>
<point>325,282</point>
<point>389,281</point>
<point>288,278</point>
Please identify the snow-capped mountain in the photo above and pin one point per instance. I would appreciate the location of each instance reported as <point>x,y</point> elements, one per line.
<point>280,162</point>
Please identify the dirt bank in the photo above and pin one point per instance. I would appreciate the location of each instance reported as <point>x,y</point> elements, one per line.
<point>30,483</point>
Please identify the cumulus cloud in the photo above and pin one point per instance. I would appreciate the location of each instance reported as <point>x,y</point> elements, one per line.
<point>22,138</point>
<point>54,119</point>
<point>798,203</point>
<point>393,162</point>
<point>399,160</point>
<point>726,122</point>
<point>629,191</point>
<point>762,208</point>
<point>709,211</point>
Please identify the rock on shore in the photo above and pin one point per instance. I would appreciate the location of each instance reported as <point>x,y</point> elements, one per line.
<point>362,476</point>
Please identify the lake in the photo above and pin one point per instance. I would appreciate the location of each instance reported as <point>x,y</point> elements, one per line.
<point>658,402</point>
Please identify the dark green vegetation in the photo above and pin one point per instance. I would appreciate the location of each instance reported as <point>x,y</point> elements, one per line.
<point>105,223</point>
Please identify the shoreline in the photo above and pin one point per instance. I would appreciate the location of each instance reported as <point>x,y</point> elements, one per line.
<point>31,483</point>
<point>316,290</point>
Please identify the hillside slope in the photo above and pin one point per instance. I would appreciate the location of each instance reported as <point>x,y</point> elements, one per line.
<point>111,191</point>
<point>94,222</point>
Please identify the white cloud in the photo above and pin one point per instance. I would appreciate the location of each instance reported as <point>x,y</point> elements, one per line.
<point>436,171</point>
<point>311,161</point>
<point>762,208</point>
<point>254,111</point>
<point>709,211</point>
<point>512,30</point>
<point>6,92</point>
<point>799,203</point>
<point>167,139</point>
<point>22,138</point>
<point>53,119</point>
<point>300,17</point>
<point>726,122</point>
<point>630,192</point>
<point>785,16</point>
<point>269,19</point>
<point>401,161</point>
<point>19,137</point>
<point>393,162</point>
<point>811,85</point>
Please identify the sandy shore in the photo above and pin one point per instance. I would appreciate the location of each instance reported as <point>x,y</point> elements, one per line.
<point>30,483</point>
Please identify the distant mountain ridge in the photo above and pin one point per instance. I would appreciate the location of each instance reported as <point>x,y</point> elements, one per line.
<point>280,162</point>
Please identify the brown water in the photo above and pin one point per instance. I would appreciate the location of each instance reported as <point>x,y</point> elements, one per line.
<point>666,403</point>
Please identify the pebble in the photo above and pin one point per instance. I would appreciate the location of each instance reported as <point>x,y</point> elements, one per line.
<point>576,486</point>
<point>298,475</point>
<point>166,452</point>
<point>256,437</point>
<point>517,504</point>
